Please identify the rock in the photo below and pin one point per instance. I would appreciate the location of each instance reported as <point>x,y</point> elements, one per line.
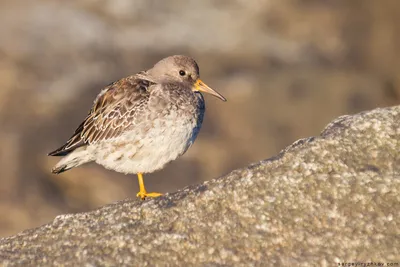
<point>323,200</point>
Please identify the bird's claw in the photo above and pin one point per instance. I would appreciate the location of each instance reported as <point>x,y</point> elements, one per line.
<point>144,194</point>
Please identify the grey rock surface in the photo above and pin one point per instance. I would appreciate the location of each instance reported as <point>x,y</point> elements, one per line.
<point>323,200</point>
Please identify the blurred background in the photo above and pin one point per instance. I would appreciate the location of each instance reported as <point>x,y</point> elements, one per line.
<point>287,67</point>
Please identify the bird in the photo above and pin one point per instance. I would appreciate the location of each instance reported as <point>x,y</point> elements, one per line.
<point>140,123</point>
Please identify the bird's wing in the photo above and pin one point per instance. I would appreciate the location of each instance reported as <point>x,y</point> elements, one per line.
<point>114,111</point>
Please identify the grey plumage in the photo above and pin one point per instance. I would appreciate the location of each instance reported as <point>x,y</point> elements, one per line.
<point>141,122</point>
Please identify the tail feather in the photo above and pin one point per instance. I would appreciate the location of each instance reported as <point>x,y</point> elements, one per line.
<point>73,159</point>
<point>59,169</point>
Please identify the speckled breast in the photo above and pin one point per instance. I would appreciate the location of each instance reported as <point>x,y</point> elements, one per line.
<point>157,140</point>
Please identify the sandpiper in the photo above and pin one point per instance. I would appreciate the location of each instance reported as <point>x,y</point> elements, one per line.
<point>140,123</point>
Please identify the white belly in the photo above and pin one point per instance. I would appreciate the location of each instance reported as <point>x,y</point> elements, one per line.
<point>138,151</point>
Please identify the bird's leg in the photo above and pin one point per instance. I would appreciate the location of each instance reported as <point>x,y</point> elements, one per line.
<point>142,193</point>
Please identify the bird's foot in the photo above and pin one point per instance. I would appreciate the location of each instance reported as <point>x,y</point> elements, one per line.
<point>144,194</point>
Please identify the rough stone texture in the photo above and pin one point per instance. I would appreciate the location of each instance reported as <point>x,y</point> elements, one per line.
<point>326,199</point>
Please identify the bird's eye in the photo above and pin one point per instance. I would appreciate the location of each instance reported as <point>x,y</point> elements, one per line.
<point>182,73</point>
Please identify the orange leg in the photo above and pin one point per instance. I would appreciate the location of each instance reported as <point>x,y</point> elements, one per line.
<point>142,190</point>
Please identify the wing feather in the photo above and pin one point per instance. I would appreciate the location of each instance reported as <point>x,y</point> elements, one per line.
<point>114,111</point>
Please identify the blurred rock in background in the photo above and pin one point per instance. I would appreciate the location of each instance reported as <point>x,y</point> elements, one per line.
<point>287,68</point>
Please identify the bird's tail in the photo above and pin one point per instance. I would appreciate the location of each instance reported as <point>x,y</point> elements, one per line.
<point>75,158</point>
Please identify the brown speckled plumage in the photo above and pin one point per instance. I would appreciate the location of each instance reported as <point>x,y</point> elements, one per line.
<point>114,111</point>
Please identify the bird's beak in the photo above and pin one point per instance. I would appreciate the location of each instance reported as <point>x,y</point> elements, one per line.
<point>202,87</point>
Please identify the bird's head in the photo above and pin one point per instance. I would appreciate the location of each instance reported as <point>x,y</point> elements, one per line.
<point>182,69</point>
